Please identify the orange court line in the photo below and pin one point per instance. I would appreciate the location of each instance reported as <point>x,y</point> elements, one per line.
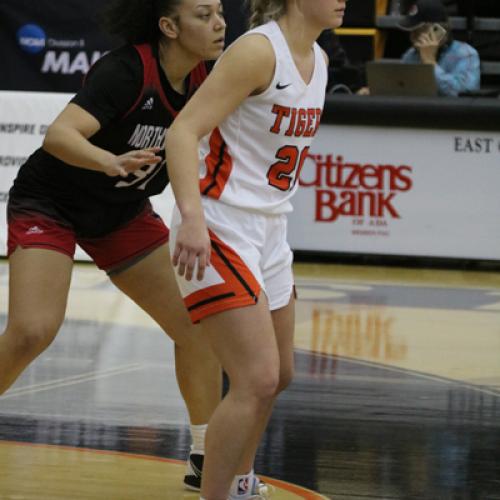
<point>292,488</point>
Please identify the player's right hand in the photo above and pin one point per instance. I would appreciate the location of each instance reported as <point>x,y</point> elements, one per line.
<point>192,248</point>
<point>123,165</point>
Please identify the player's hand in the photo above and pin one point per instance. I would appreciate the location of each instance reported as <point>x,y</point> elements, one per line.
<point>126,163</point>
<point>192,248</point>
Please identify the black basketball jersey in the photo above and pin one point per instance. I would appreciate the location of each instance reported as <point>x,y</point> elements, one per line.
<point>132,99</point>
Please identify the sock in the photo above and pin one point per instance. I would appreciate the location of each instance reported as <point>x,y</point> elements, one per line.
<point>198,437</point>
<point>241,487</point>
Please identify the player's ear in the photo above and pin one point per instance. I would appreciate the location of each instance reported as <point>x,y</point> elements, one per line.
<point>168,27</point>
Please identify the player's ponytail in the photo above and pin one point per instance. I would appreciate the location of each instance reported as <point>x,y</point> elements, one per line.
<point>136,21</point>
<point>263,11</point>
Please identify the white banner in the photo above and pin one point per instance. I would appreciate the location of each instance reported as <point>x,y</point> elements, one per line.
<point>365,190</point>
<point>24,118</point>
<point>408,192</point>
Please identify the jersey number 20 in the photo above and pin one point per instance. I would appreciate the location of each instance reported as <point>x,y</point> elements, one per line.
<point>281,174</point>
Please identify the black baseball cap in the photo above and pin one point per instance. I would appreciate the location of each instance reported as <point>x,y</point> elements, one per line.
<point>422,12</point>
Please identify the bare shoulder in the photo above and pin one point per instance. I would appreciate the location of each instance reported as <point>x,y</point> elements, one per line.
<point>255,43</point>
<point>251,59</point>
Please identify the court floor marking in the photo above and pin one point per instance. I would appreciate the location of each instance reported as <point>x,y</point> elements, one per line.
<point>489,391</point>
<point>355,282</point>
<point>495,305</point>
<point>73,380</point>
<point>305,493</point>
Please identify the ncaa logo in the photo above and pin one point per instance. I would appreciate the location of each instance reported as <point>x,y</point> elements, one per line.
<point>31,38</point>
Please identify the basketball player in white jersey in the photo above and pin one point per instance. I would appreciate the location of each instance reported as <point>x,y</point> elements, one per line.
<point>258,112</point>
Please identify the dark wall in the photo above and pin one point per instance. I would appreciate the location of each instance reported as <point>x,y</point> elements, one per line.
<point>236,13</point>
<point>360,14</point>
<point>49,45</point>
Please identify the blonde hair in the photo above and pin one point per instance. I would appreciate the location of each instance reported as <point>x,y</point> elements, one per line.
<point>263,11</point>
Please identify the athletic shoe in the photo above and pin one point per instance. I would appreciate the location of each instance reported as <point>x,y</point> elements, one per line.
<point>258,491</point>
<point>192,479</point>
<point>262,489</point>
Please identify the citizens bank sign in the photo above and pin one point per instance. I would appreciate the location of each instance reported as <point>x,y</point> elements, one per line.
<point>408,192</point>
<point>349,189</point>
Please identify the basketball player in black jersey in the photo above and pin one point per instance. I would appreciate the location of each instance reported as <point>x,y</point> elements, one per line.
<point>90,184</point>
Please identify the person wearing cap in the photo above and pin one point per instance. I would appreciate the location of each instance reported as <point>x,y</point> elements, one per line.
<point>457,65</point>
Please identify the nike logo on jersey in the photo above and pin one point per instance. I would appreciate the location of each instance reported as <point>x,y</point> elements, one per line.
<point>282,87</point>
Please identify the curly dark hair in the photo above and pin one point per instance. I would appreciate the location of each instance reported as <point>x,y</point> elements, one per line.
<point>136,21</point>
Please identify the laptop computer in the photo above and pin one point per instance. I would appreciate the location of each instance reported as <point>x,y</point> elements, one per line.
<point>393,77</point>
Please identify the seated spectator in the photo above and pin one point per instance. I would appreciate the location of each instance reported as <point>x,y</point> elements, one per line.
<point>457,65</point>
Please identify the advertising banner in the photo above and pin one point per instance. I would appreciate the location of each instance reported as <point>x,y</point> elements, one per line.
<point>407,192</point>
<point>24,118</point>
<point>364,190</point>
<point>49,45</point>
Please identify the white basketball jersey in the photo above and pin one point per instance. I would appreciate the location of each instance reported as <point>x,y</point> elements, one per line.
<point>253,159</point>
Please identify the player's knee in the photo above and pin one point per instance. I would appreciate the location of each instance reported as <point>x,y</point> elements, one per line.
<point>286,377</point>
<point>30,339</point>
<point>264,385</point>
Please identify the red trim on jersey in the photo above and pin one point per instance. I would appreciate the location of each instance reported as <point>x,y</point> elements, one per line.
<point>219,166</point>
<point>240,288</point>
<point>141,49</point>
<point>198,76</point>
<point>151,79</point>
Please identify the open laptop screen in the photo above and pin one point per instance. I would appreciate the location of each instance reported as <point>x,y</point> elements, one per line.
<point>393,77</point>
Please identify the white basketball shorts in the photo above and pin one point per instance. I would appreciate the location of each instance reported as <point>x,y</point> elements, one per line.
<point>250,254</point>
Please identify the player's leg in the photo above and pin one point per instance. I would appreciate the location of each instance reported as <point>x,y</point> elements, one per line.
<point>39,282</point>
<point>284,324</point>
<point>277,272</point>
<point>136,258</point>
<point>151,284</point>
<point>138,262</point>
<point>242,335</point>
<point>245,343</point>
<point>40,263</point>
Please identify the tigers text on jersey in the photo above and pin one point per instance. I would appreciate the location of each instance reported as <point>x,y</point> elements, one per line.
<point>253,159</point>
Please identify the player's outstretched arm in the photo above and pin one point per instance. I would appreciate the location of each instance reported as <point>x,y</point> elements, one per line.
<point>247,68</point>
<point>67,140</point>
